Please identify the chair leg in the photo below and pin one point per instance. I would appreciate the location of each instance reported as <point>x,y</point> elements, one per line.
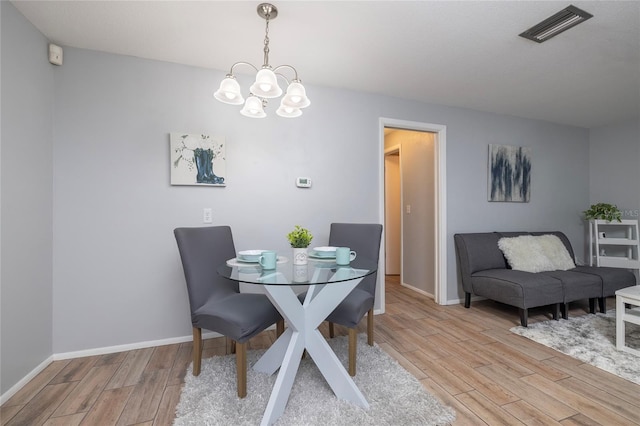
<point>197,350</point>
<point>279,328</point>
<point>370,327</point>
<point>332,332</point>
<point>241,368</point>
<point>565,310</point>
<point>353,336</point>
<point>592,305</point>
<point>467,300</point>
<point>230,346</point>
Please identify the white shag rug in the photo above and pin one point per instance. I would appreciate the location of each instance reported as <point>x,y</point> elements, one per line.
<point>591,339</point>
<point>395,396</point>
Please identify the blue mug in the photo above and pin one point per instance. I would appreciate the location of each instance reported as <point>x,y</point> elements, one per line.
<point>344,255</point>
<point>268,259</point>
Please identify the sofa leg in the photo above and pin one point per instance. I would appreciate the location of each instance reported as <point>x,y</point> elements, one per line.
<point>592,305</point>
<point>555,308</point>
<point>524,316</point>
<point>467,300</point>
<point>602,301</point>
<point>565,310</point>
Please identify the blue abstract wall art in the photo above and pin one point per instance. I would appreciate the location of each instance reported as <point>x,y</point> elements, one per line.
<point>509,173</point>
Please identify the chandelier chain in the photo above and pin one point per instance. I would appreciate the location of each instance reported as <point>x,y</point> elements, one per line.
<point>266,42</point>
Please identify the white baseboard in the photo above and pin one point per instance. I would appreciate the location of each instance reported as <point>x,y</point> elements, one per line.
<point>15,388</point>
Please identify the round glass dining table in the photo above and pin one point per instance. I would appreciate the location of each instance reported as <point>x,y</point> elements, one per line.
<point>328,284</point>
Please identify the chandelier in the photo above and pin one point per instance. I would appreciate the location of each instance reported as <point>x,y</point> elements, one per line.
<point>266,84</point>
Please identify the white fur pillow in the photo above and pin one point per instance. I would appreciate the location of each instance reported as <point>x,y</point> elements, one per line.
<point>524,253</point>
<point>556,252</point>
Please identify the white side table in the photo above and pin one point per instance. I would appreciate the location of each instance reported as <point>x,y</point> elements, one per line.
<point>631,296</point>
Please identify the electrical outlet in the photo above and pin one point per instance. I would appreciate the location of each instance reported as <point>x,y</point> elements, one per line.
<point>207,215</point>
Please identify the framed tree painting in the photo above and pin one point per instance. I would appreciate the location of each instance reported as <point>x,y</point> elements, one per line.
<point>509,173</point>
<point>197,160</point>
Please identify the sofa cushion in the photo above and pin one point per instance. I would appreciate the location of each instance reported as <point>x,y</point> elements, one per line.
<point>556,252</point>
<point>517,288</point>
<point>613,279</point>
<point>524,253</point>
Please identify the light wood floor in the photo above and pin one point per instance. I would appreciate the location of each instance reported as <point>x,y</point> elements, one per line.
<point>466,357</point>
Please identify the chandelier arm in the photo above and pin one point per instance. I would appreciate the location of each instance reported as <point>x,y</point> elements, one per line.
<point>241,63</point>
<point>295,72</point>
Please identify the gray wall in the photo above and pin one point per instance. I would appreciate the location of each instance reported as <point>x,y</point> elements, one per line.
<point>614,167</point>
<point>117,279</point>
<point>26,197</point>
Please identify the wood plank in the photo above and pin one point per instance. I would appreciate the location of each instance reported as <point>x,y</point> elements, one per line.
<point>42,406</point>
<point>167,409</point>
<point>553,407</point>
<point>528,414</point>
<point>71,420</point>
<point>131,368</point>
<point>85,394</point>
<point>75,370</point>
<point>570,397</point>
<point>489,412</point>
<point>184,357</point>
<point>404,362</point>
<point>36,384</point>
<point>144,401</point>
<point>163,357</point>
<point>464,416</point>
<point>630,410</point>
<point>108,407</point>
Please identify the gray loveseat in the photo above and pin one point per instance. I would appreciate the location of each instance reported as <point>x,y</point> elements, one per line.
<point>485,272</point>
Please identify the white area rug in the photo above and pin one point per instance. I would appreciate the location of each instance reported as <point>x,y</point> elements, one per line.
<point>394,395</point>
<point>591,339</point>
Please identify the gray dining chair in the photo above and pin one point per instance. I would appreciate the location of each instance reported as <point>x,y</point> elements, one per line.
<point>216,303</point>
<point>364,238</point>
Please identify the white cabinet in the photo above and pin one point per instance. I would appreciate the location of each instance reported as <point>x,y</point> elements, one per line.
<point>614,244</point>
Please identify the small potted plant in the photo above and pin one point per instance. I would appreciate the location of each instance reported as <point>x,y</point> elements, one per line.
<point>299,238</point>
<point>603,211</point>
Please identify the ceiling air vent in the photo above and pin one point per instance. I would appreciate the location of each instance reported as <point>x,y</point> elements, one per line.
<point>554,25</point>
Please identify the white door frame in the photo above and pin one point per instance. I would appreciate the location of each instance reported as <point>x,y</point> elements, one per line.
<point>440,249</point>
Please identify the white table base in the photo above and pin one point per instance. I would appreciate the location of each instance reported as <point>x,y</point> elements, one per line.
<point>302,333</point>
<point>631,296</point>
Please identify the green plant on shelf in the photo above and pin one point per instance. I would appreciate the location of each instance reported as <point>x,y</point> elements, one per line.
<point>603,211</point>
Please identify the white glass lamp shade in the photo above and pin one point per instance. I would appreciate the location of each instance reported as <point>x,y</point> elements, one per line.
<point>266,84</point>
<point>288,112</point>
<point>229,92</point>
<point>253,108</point>
<point>296,96</point>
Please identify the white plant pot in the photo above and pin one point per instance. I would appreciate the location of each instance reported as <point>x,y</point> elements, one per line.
<point>300,256</point>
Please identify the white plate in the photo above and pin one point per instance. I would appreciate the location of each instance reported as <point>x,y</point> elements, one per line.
<point>239,262</point>
<point>249,255</point>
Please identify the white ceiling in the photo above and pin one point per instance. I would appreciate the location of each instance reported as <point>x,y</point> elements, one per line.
<point>464,54</point>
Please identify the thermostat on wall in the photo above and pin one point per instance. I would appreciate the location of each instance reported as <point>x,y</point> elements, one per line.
<point>303,182</point>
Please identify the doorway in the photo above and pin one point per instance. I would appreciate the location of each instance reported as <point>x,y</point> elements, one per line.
<point>432,247</point>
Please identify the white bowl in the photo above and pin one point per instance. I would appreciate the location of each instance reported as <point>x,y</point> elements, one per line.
<point>325,251</point>
<point>250,255</point>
